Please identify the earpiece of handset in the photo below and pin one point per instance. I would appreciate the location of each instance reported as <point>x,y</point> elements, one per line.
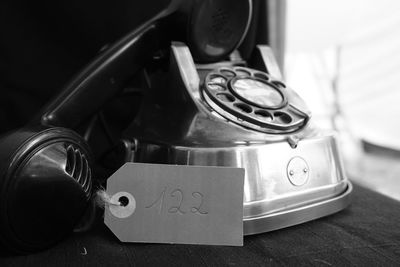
<point>212,29</point>
<point>45,186</point>
<point>45,167</point>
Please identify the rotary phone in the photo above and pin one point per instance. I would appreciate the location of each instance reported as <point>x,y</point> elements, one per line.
<point>241,114</point>
<point>202,105</point>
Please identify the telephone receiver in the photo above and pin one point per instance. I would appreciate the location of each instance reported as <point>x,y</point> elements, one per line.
<point>46,174</point>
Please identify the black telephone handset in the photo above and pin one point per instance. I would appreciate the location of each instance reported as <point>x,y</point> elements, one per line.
<point>212,30</point>
<point>46,175</point>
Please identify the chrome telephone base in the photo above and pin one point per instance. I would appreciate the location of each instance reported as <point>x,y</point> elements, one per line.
<point>283,185</point>
<point>233,116</point>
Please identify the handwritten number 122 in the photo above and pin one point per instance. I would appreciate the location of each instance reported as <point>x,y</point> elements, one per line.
<point>179,195</point>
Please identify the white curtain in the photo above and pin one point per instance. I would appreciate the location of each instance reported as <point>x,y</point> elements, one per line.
<point>348,51</point>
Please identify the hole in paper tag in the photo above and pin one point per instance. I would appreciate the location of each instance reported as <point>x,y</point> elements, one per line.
<point>127,207</point>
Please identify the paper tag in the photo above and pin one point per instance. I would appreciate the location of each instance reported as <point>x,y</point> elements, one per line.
<point>176,204</point>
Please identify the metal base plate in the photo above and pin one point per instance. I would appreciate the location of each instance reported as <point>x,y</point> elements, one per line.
<point>297,215</point>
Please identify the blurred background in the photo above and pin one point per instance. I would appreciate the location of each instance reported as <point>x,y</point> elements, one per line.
<point>343,57</point>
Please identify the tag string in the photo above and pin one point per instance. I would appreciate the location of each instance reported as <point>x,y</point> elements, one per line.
<point>104,199</point>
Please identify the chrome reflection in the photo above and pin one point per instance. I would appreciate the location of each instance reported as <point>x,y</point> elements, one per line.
<point>257,92</point>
